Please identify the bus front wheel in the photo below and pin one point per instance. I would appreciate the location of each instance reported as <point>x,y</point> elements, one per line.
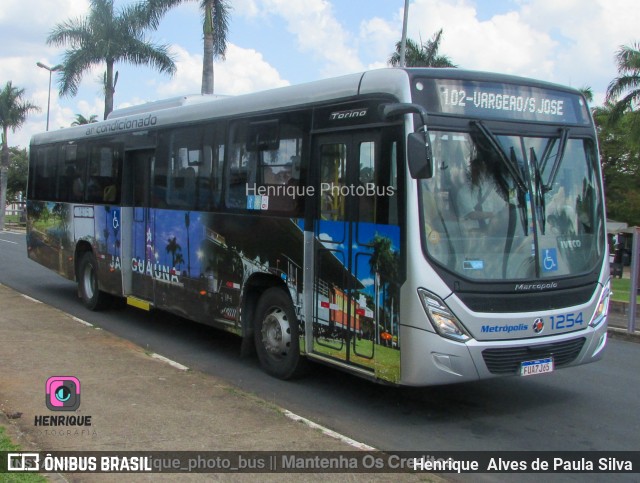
<point>276,335</point>
<point>91,296</point>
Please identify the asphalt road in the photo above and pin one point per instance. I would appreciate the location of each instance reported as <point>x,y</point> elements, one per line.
<point>591,407</point>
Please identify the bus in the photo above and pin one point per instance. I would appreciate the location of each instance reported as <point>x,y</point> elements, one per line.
<point>410,226</point>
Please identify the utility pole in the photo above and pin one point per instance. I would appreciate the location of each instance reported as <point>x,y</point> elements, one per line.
<point>403,42</point>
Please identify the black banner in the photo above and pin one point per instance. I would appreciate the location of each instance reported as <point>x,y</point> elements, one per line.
<point>320,462</point>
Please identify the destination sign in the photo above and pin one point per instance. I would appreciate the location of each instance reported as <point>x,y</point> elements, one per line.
<point>500,101</point>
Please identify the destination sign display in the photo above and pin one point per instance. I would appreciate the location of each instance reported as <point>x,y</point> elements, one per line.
<point>501,101</point>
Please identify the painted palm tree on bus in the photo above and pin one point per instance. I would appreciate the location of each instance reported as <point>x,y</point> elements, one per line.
<point>215,27</point>
<point>383,264</point>
<point>107,36</point>
<point>13,113</point>
<point>422,54</point>
<point>174,248</point>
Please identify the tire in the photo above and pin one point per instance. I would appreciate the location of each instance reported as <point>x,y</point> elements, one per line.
<point>276,335</point>
<point>88,287</point>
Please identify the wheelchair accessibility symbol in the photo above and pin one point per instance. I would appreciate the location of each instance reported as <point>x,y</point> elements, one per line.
<point>550,260</point>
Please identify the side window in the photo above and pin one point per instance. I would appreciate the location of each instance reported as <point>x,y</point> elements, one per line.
<point>43,174</point>
<point>367,180</point>
<point>73,179</point>
<point>333,165</point>
<point>103,182</point>
<point>265,164</point>
<point>191,177</point>
<point>241,174</point>
<point>186,158</point>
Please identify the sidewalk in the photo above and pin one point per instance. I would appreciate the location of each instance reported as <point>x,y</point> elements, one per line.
<point>136,402</point>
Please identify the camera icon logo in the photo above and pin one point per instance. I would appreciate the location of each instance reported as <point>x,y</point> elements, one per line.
<point>63,393</point>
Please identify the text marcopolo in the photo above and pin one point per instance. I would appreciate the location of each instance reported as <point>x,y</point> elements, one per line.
<point>326,189</point>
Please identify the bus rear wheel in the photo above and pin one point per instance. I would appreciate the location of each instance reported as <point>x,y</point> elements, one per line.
<point>88,288</point>
<point>276,335</point>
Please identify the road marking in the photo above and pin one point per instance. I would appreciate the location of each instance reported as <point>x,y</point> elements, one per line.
<point>8,241</point>
<point>175,364</point>
<point>83,322</point>
<point>329,432</point>
<point>31,299</point>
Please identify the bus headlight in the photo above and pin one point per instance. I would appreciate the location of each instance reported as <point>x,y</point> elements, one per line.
<point>603,305</point>
<point>444,322</point>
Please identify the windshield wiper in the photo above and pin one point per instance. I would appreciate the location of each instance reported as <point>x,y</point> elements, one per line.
<point>564,135</point>
<point>540,190</point>
<point>495,144</point>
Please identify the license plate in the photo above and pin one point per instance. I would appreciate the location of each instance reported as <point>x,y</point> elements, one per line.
<point>540,366</point>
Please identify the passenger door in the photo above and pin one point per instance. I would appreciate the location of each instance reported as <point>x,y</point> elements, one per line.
<point>138,263</point>
<point>354,245</point>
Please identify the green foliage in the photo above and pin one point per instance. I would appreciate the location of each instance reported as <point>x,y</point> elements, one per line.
<point>81,120</point>
<point>107,36</point>
<point>422,54</point>
<point>618,125</point>
<point>18,171</point>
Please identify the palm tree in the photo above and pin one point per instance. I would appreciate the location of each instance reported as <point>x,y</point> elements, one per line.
<point>215,28</point>
<point>106,36</point>
<point>174,248</point>
<point>627,84</point>
<point>81,120</point>
<point>13,114</point>
<point>422,54</point>
<point>587,92</point>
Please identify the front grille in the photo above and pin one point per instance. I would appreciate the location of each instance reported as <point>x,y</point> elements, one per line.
<point>508,360</point>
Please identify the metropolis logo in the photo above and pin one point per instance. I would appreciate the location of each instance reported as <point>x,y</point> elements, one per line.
<point>538,325</point>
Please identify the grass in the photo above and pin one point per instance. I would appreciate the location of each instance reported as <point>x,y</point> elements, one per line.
<point>7,445</point>
<point>12,218</point>
<point>621,290</point>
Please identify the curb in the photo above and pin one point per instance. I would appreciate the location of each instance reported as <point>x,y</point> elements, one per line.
<point>623,334</point>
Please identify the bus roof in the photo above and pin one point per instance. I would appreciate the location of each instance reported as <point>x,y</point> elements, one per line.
<point>185,109</point>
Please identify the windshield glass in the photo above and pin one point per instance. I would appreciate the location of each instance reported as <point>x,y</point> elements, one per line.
<point>509,207</point>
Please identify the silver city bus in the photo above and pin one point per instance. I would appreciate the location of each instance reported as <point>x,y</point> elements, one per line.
<point>412,226</point>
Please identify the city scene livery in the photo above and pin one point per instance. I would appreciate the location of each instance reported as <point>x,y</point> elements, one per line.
<point>410,226</point>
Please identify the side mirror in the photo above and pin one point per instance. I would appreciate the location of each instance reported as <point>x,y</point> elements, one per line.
<point>420,155</point>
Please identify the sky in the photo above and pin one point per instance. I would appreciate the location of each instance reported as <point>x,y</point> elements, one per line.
<point>274,43</point>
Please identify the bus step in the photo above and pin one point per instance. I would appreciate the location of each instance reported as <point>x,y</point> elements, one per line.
<point>138,303</point>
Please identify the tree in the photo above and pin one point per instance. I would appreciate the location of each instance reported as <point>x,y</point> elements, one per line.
<point>18,171</point>
<point>627,84</point>
<point>587,92</point>
<point>81,120</point>
<point>422,54</point>
<point>106,37</point>
<point>618,123</point>
<point>13,113</point>
<point>215,28</point>
<point>620,155</point>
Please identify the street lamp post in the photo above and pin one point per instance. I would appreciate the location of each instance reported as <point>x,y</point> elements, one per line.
<point>403,41</point>
<point>51,70</point>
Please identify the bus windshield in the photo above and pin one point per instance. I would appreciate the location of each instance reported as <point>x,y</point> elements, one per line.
<point>512,207</point>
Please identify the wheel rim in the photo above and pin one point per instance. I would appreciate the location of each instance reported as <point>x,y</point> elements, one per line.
<point>88,282</point>
<point>276,333</point>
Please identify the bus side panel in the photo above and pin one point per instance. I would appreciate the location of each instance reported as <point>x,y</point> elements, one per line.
<point>50,240</point>
<point>105,236</point>
<point>200,262</point>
